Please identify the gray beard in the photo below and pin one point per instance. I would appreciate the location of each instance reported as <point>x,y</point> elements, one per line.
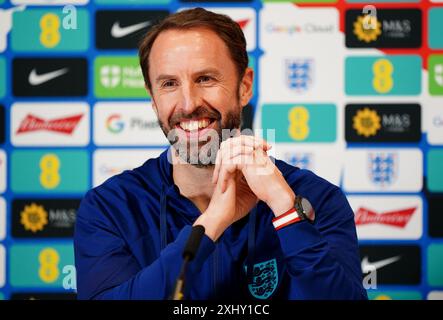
<point>204,153</point>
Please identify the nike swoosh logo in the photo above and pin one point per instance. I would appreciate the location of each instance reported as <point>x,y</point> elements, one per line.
<point>38,79</point>
<point>119,32</point>
<point>367,266</point>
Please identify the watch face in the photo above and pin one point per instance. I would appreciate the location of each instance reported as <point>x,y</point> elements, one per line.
<point>308,210</point>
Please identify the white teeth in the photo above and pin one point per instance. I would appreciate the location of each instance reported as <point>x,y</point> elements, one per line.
<point>203,124</point>
<point>194,125</point>
<point>184,125</point>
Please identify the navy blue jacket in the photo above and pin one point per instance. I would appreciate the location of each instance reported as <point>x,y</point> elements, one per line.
<point>131,230</point>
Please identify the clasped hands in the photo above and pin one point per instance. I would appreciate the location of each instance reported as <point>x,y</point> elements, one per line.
<point>243,175</point>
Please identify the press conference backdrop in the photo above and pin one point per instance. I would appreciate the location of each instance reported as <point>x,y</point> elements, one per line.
<point>356,100</point>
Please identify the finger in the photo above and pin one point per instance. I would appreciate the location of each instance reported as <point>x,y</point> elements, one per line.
<point>253,140</point>
<point>217,167</point>
<point>236,151</point>
<point>233,147</point>
<point>228,150</point>
<point>257,142</point>
<point>248,140</point>
<point>226,173</point>
<point>236,165</point>
<point>260,157</point>
<point>237,157</point>
<point>218,161</point>
<point>263,164</point>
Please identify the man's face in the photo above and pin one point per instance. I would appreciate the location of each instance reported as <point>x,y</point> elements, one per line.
<point>196,91</point>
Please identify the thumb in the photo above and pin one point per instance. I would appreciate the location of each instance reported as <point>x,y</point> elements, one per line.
<point>230,183</point>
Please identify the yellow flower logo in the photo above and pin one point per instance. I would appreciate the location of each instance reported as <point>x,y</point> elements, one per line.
<point>366,122</point>
<point>34,218</point>
<point>367,34</point>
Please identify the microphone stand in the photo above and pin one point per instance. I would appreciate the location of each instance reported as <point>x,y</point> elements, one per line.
<point>189,252</point>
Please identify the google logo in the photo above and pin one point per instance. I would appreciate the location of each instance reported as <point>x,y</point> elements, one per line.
<point>114,123</point>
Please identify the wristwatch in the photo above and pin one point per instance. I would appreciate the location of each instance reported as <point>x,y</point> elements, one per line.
<point>304,209</point>
<point>301,211</point>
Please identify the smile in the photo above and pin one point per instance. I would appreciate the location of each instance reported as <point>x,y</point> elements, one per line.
<point>195,125</point>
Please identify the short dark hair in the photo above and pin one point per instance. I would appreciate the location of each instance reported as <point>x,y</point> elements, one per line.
<point>226,28</point>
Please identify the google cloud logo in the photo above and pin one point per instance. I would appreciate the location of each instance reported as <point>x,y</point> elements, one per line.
<point>114,123</point>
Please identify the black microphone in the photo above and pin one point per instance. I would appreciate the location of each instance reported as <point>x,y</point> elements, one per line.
<point>189,252</point>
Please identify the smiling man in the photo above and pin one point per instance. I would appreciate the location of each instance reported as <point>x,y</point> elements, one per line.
<point>262,239</point>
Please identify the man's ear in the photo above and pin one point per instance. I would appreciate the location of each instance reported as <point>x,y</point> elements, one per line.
<point>246,87</point>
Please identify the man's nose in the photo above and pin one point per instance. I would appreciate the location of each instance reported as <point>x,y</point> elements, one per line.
<point>190,98</point>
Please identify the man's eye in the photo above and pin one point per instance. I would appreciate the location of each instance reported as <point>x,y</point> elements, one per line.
<point>168,83</point>
<point>204,79</point>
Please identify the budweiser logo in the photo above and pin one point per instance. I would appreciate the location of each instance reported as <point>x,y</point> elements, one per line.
<point>62,125</point>
<point>397,218</point>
